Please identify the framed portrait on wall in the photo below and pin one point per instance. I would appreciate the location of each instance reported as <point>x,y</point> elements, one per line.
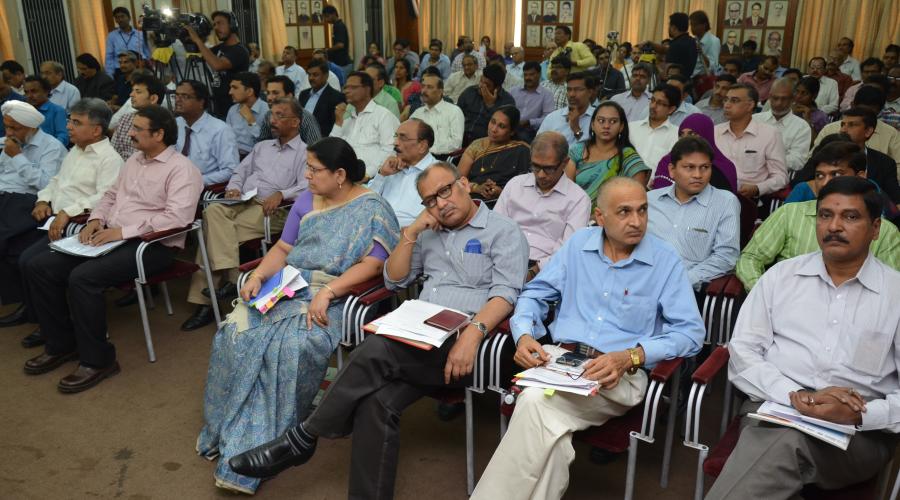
<point>770,23</point>
<point>305,38</point>
<point>318,37</point>
<point>756,14</point>
<point>539,21</point>
<point>534,12</point>
<point>566,14</point>
<point>734,15</point>
<point>777,14</point>
<point>290,12</point>
<point>774,43</point>
<point>533,36</point>
<point>303,12</point>
<point>731,42</point>
<point>550,12</point>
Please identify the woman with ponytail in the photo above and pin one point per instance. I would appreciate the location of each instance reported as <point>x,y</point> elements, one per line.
<point>265,369</point>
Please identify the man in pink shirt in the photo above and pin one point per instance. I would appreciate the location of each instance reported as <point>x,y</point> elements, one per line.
<point>754,147</point>
<point>762,78</point>
<point>156,190</point>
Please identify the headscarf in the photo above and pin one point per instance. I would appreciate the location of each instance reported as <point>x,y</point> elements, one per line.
<point>725,174</point>
<point>23,113</point>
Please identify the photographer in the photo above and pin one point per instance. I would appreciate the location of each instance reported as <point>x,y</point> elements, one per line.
<point>577,52</point>
<point>225,59</point>
<point>682,49</point>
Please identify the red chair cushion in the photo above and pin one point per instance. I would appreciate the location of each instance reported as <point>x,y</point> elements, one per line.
<point>614,434</point>
<point>719,454</point>
<point>178,269</point>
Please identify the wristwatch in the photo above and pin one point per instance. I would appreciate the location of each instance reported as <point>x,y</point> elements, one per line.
<point>635,360</point>
<point>481,327</point>
<point>578,134</point>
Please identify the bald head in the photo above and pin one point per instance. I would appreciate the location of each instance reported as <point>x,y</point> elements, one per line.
<point>622,212</point>
<point>615,188</point>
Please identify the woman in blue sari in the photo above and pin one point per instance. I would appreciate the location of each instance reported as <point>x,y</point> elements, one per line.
<point>265,369</point>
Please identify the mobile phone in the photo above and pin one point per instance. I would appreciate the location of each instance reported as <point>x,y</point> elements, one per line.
<point>572,359</point>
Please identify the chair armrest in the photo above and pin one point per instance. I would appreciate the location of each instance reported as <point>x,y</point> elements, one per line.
<point>249,266</point>
<point>733,288</point>
<point>375,296</point>
<point>715,287</point>
<point>711,367</point>
<point>79,219</point>
<point>367,286</point>
<point>665,368</point>
<point>167,233</point>
<point>218,187</point>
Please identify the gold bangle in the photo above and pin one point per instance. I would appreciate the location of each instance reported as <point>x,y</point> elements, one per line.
<point>333,293</point>
<point>406,238</point>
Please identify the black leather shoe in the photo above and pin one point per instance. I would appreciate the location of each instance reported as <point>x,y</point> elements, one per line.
<point>226,292</point>
<point>271,458</point>
<point>449,411</point>
<point>600,456</point>
<point>33,339</point>
<point>47,362</point>
<point>14,318</point>
<point>202,316</point>
<point>85,377</point>
<point>131,297</point>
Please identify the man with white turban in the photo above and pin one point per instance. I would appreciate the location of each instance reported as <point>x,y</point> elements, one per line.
<point>30,158</point>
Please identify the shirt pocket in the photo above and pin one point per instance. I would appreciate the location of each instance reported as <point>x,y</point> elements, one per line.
<point>638,315</point>
<point>695,243</point>
<point>476,269</point>
<point>868,351</point>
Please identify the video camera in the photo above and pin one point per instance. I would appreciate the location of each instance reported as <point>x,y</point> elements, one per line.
<point>648,53</point>
<point>170,26</point>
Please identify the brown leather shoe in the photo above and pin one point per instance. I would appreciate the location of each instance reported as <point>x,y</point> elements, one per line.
<point>47,362</point>
<point>85,377</point>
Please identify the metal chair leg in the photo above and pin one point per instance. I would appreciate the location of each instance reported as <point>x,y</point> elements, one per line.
<point>670,428</point>
<point>166,298</point>
<point>138,289</point>
<point>632,460</point>
<point>209,280</point>
<point>698,485</point>
<point>470,445</point>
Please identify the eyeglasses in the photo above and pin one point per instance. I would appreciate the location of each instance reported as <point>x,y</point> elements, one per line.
<point>442,193</point>
<point>279,117</point>
<point>315,170</point>
<point>142,129</point>
<point>545,170</point>
<point>404,138</point>
<point>735,100</point>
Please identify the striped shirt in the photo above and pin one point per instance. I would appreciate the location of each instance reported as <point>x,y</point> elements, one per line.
<point>704,230</point>
<point>560,94</point>
<point>494,265</point>
<point>791,231</point>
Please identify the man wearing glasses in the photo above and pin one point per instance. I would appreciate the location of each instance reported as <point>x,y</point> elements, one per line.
<point>396,179</point>
<point>547,205</point>
<point>574,121</point>
<point>473,260</point>
<point>206,140</point>
<point>367,127</point>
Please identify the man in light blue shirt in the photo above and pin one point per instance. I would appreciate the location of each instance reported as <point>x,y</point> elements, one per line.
<point>62,93</point>
<point>710,45</point>
<point>30,156</point>
<point>686,108</point>
<point>37,91</point>
<point>436,58</point>
<point>396,179</point>
<point>207,141</point>
<point>247,112</point>
<point>573,122</point>
<point>625,302</point>
<point>123,39</point>
<point>700,221</point>
<point>292,70</point>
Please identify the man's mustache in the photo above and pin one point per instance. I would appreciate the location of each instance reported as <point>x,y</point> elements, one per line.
<point>835,237</point>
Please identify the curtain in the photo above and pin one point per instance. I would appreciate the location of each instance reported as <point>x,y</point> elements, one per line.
<point>273,31</point>
<point>6,44</point>
<point>871,24</point>
<point>447,20</point>
<point>388,29</point>
<point>88,27</point>
<point>635,20</point>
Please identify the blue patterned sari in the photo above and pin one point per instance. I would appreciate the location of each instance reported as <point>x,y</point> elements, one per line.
<point>265,369</point>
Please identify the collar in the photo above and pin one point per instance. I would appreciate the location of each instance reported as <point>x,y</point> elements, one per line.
<point>479,220</point>
<point>630,95</point>
<point>703,197</point>
<point>646,122</point>
<point>319,92</point>
<point>752,128</point>
<point>198,125</point>
<point>259,107</point>
<point>293,143</point>
<point>424,163</point>
<point>562,187</point>
<point>643,252</point>
<point>868,275</point>
<point>162,157</point>
<point>96,146</point>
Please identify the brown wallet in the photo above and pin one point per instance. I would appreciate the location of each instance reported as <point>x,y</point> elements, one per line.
<point>447,320</point>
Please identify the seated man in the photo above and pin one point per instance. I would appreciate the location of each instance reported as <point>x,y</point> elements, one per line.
<point>445,118</point>
<point>155,191</point>
<point>548,206</point>
<point>754,147</point>
<point>369,128</point>
<point>460,80</point>
<point>37,91</point>
<point>282,86</point>
<point>790,230</point>
<point>246,114</point>
<point>573,121</point>
<point>796,134</point>
<point>291,69</point>
<point>277,170</point>
<point>30,158</point>
<point>87,172</point>
<point>714,105</point>
<point>146,90</point>
<point>819,333</point>
<point>700,221</point>
<point>396,179</point>
<point>478,103</point>
<point>535,102</point>
<point>320,99</point>
<point>207,141</point>
<point>654,136</point>
<point>685,107</point>
<point>385,376</point>
<point>62,93</point>
<point>636,101</point>
<point>381,95</point>
<point>625,300</point>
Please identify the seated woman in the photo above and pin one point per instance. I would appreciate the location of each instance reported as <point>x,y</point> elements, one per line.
<point>805,104</point>
<point>490,162</point>
<point>724,174</point>
<point>265,369</point>
<point>405,84</point>
<point>607,152</point>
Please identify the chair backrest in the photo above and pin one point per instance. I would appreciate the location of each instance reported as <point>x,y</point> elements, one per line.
<point>749,214</point>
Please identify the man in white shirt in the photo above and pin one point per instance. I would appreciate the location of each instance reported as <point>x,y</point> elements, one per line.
<point>369,128</point>
<point>444,118</point>
<point>827,100</point>
<point>292,70</point>
<point>849,65</point>
<point>396,178</point>
<point>636,101</point>
<point>714,105</point>
<point>461,80</point>
<point>819,333</point>
<point>63,93</point>
<point>654,136</point>
<point>796,133</point>
<point>517,66</point>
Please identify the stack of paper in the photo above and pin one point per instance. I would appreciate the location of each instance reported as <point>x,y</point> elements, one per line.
<point>233,201</point>
<point>72,246</point>
<point>284,283</point>
<point>407,323</point>
<point>834,434</point>
<point>557,377</point>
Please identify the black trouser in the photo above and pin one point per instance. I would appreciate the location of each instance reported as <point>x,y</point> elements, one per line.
<point>80,323</point>
<point>17,232</point>
<point>382,378</point>
<point>31,252</point>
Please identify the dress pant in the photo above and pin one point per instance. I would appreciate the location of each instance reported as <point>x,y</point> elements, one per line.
<point>225,227</point>
<point>79,323</point>
<point>31,252</point>
<point>382,378</point>
<point>775,462</point>
<point>532,461</point>
<point>17,232</point>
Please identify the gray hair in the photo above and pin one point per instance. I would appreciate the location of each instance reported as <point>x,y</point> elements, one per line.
<point>97,111</point>
<point>613,183</point>
<point>551,141</point>
<point>438,165</point>
<point>57,67</point>
<point>295,106</point>
<point>129,54</point>
<point>784,82</point>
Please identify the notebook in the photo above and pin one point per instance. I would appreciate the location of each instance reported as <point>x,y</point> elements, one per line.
<point>284,283</point>
<point>72,246</point>
<point>249,195</point>
<point>407,324</point>
<point>834,434</point>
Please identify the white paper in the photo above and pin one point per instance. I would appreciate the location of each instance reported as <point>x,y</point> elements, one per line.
<point>290,278</point>
<point>249,195</point>
<point>408,321</point>
<point>792,414</point>
<point>72,246</point>
<point>46,226</point>
<point>834,434</point>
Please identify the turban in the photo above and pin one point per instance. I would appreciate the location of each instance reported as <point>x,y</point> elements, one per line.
<point>23,113</point>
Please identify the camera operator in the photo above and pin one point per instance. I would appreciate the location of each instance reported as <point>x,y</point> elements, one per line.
<point>609,80</point>
<point>682,48</point>
<point>225,59</point>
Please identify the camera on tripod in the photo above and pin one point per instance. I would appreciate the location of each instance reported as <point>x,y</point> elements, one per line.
<point>169,27</point>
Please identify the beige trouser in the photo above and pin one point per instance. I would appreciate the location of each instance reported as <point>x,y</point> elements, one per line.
<point>532,461</point>
<point>225,227</point>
